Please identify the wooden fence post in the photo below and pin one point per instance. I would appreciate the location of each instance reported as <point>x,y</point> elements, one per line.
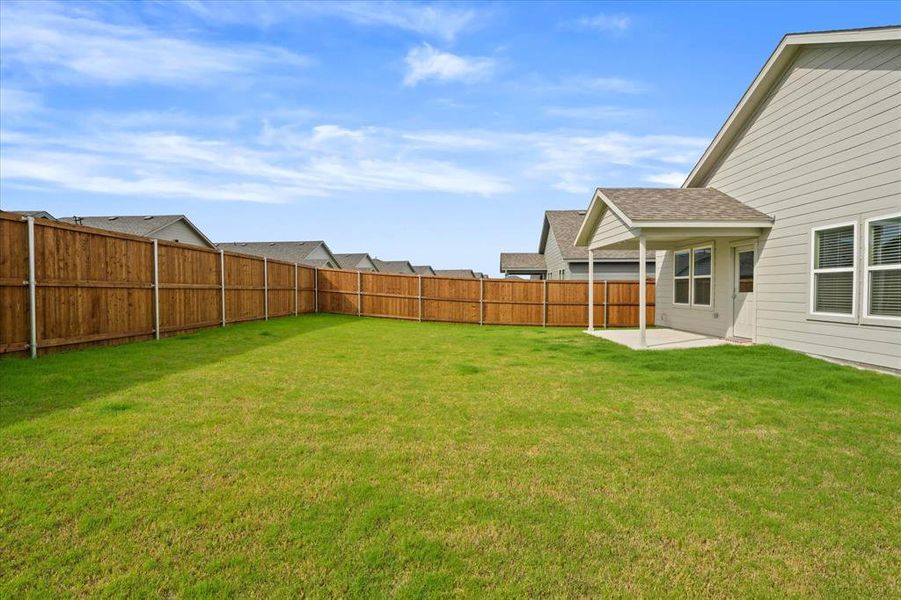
<point>544,306</point>
<point>156,289</point>
<point>481,301</point>
<point>32,293</point>
<point>222,281</point>
<point>316,290</point>
<point>420,298</point>
<point>605,304</point>
<point>295,289</point>
<point>265,289</point>
<point>359,293</point>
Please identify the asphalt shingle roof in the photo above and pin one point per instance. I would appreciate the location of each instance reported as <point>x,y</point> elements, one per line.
<point>350,260</point>
<point>393,266</point>
<point>518,261</point>
<point>424,269</point>
<point>680,204</point>
<point>463,273</point>
<point>135,225</point>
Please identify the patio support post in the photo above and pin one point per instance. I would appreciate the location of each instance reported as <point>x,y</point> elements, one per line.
<point>156,289</point>
<point>32,292</point>
<point>642,292</point>
<point>590,289</point>
<point>222,282</point>
<point>265,288</point>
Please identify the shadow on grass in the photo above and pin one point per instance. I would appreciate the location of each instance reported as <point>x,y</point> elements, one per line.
<point>33,388</point>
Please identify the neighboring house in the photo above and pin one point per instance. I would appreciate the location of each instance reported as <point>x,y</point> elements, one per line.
<point>37,214</point>
<point>458,273</point>
<point>523,263</point>
<point>424,270</point>
<point>394,266</point>
<point>788,230</point>
<point>359,261</point>
<point>312,254</point>
<point>564,260</point>
<point>175,228</point>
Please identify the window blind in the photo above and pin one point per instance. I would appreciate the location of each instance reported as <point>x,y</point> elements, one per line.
<point>835,248</point>
<point>834,292</point>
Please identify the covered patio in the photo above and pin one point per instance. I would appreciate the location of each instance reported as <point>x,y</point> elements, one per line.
<point>646,219</point>
<point>658,339</point>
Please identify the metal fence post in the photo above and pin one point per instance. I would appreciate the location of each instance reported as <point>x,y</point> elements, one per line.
<point>32,293</point>
<point>295,289</point>
<point>222,282</point>
<point>265,288</point>
<point>481,301</point>
<point>359,293</point>
<point>156,289</point>
<point>605,304</point>
<point>420,298</point>
<point>544,306</point>
<point>316,290</point>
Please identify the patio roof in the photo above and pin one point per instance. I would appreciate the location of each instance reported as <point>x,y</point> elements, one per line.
<point>617,217</point>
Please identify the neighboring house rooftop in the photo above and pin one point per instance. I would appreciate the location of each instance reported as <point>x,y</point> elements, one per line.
<point>351,260</point>
<point>566,224</point>
<point>424,270</point>
<point>393,266</point>
<point>769,75</point>
<point>522,261</point>
<point>679,204</point>
<point>37,214</point>
<point>142,225</point>
<point>294,252</point>
<point>462,273</point>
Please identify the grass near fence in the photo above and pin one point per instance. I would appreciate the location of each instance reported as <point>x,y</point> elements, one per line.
<point>334,456</point>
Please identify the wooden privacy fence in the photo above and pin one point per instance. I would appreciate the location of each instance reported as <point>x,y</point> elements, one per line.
<point>483,301</point>
<point>64,285</point>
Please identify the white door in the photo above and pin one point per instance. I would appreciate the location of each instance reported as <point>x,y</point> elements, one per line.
<point>743,313</point>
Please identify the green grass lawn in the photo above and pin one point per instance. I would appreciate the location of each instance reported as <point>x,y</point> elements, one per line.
<point>336,456</point>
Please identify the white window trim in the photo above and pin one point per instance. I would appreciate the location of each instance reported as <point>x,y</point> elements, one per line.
<point>681,277</point>
<point>866,272</point>
<point>693,276</point>
<point>814,271</point>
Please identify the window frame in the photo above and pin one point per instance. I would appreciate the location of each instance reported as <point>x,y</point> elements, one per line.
<point>682,277</point>
<point>690,250</point>
<point>694,277</point>
<point>866,268</point>
<point>854,269</point>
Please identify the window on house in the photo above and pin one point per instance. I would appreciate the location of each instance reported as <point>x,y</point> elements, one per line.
<point>682,277</point>
<point>702,262</point>
<point>833,270</point>
<point>883,267</point>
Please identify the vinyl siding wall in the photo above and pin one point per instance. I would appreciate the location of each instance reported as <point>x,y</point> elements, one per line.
<point>824,148</point>
<point>553,257</point>
<point>611,271</point>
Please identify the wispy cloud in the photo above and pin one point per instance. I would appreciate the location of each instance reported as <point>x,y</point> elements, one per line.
<point>604,22</point>
<point>18,102</point>
<point>599,112</point>
<point>47,41</point>
<point>429,20</point>
<point>671,179</point>
<point>426,63</point>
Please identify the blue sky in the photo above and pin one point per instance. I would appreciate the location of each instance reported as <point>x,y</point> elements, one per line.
<point>437,133</point>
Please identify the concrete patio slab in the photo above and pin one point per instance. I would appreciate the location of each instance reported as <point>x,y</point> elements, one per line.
<point>659,338</point>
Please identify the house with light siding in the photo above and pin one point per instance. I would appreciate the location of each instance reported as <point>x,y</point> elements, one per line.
<point>356,261</point>
<point>788,229</point>
<point>558,256</point>
<point>313,253</point>
<point>174,228</point>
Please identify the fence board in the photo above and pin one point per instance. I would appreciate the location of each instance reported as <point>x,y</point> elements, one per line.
<point>13,291</point>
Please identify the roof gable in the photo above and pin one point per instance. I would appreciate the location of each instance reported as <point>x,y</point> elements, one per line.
<point>768,77</point>
<point>298,252</point>
<point>142,225</point>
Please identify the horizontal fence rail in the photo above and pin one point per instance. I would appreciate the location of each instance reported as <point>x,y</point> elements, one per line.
<point>68,286</point>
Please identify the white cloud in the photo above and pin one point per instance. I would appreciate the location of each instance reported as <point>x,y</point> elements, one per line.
<point>612,84</point>
<point>604,22</point>
<point>48,42</point>
<point>425,62</point>
<point>671,179</point>
<point>18,102</point>
<point>430,20</point>
<point>599,112</point>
